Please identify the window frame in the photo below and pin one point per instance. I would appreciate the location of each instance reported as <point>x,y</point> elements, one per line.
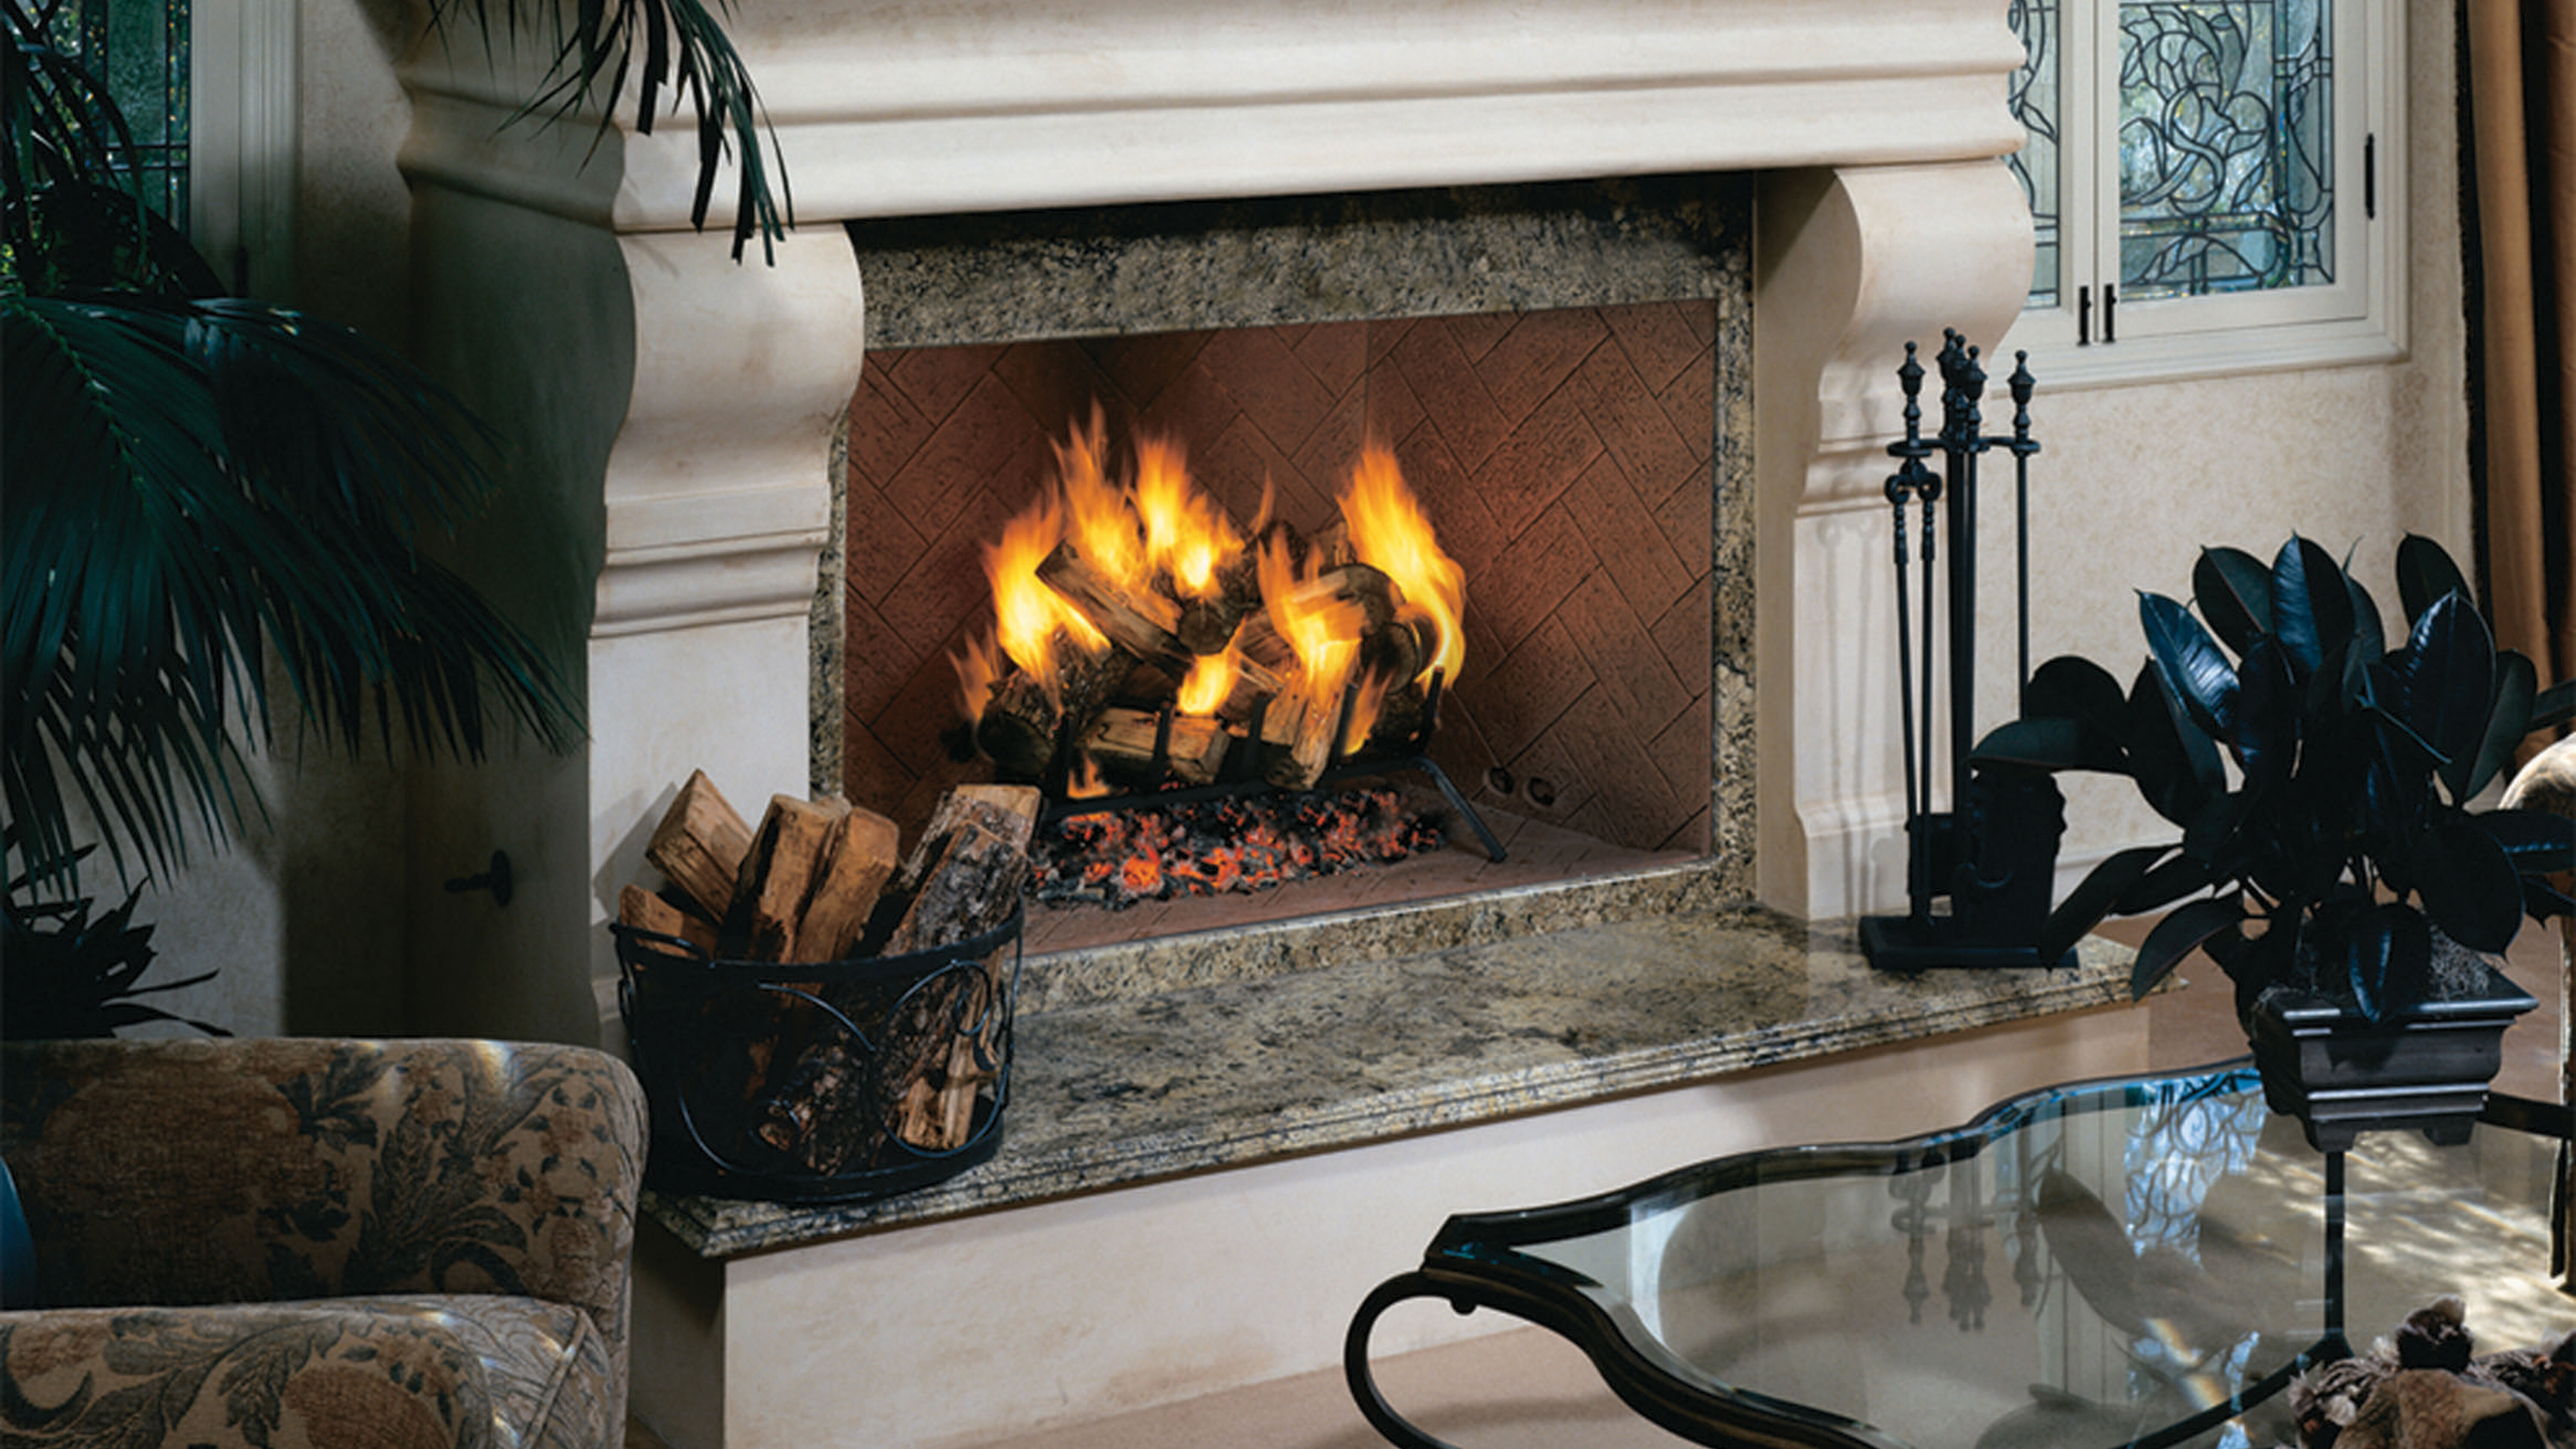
<point>2361,317</point>
<point>242,141</point>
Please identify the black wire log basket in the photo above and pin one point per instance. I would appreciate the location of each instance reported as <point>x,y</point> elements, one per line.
<point>819,1082</point>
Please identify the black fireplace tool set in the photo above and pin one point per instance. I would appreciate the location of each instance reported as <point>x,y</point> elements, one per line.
<point>1978,875</point>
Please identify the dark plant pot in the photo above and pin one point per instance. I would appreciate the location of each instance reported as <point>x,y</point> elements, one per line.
<point>2423,1069</point>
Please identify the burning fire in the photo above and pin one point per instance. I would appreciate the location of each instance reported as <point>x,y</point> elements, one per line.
<point>1105,573</point>
<point>1390,532</point>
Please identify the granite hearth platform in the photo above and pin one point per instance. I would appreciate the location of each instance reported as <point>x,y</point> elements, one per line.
<point>1212,1143</point>
<point>1112,1092</point>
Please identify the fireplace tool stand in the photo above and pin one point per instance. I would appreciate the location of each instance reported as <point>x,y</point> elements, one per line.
<point>1978,875</point>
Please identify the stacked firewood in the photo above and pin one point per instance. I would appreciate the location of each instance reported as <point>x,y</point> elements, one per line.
<point>1115,704</point>
<point>823,882</point>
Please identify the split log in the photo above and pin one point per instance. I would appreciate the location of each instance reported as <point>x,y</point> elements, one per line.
<point>1022,717</point>
<point>1194,749</point>
<point>1361,598</point>
<point>938,1044</point>
<point>862,858</point>
<point>644,910</point>
<point>787,857</point>
<point>1208,623</point>
<point>700,845</point>
<point>1139,620</point>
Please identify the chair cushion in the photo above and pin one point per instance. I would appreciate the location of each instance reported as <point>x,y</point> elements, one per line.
<point>460,1371</point>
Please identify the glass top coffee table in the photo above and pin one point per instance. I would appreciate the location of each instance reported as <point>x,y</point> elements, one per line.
<point>2140,1262</point>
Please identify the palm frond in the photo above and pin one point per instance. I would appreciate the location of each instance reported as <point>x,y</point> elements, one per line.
<point>684,49</point>
<point>192,482</point>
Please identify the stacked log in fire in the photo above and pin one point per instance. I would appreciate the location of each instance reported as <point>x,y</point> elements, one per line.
<point>1142,640</point>
<point>823,882</point>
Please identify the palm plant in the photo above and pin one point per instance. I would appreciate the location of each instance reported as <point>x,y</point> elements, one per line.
<point>202,489</point>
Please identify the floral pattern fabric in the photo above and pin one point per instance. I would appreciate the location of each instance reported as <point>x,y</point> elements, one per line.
<point>302,1242</point>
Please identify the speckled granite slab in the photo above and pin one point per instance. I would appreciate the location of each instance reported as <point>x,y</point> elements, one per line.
<point>1121,1091</point>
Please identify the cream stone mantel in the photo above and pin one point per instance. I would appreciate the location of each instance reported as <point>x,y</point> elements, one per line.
<point>669,408</point>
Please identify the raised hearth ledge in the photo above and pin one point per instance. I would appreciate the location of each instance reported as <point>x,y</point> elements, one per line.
<point>1112,1093</point>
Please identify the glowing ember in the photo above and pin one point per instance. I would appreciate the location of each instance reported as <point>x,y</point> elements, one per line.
<point>1119,858</point>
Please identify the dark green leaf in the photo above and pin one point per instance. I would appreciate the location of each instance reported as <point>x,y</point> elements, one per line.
<point>2175,764</point>
<point>2177,936</point>
<point>2538,842</point>
<point>2442,684</point>
<point>2508,720</point>
<point>2091,900</point>
<point>2050,744</point>
<point>2388,959</point>
<point>2190,663</point>
<point>2312,613</point>
<point>190,485</point>
<point>2369,639</point>
<point>2234,592</point>
<point>2554,705</point>
<point>2426,576</point>
<point>2167,883</point>
<point>2073,687</point>
<point>2266,735</point>
<point>2469,884</point>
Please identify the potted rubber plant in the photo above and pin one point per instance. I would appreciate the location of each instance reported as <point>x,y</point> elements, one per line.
<point>206,492</point>
<point>2322,772</point>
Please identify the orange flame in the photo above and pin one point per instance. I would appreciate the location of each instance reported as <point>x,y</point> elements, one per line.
<point>1187,536</point>
<point>1085,782</point>
<point>1097,516</point>
<point>1390,533</point>
<point>1323,634</point>
<point>978,670</point>
<point>1210,681</point>
<point>1027,615</point>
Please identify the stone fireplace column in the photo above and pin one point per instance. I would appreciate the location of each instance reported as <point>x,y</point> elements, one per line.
<point>1852,264</point>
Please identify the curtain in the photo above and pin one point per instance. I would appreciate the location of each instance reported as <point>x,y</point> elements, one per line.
<point>2521,128</point>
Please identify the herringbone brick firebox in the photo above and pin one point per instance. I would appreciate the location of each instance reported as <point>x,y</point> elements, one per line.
<point>1563,455</point>
<point>1563,377</point>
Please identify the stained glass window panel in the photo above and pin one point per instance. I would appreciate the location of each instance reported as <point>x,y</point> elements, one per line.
<point>2035,99</point>
<point>2226,146</point>
<point>140,47</point>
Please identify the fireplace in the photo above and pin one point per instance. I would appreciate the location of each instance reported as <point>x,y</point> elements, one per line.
<point>671,410</point>
<point>1559,373</point>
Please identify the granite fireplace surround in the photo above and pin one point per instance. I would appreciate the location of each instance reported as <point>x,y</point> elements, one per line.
<point>1211,1134</point>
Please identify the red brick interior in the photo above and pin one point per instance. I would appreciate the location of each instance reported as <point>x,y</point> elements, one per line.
<point>1564,457</point>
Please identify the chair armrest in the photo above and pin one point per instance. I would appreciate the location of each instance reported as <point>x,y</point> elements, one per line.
<point>242,1171</point>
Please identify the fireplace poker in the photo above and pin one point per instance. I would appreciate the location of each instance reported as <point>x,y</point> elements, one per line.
<point>2022,447</point>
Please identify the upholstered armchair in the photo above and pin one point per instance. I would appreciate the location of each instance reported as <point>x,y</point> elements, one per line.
<point>302,1242</point>
<point>2548,782</point>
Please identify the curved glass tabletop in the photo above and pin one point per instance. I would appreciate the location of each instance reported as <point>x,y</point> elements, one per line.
<point>2139,1262</point>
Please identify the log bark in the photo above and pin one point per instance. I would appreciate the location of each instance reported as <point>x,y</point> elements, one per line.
<point>699,846</point>
<point>1020,722</point>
